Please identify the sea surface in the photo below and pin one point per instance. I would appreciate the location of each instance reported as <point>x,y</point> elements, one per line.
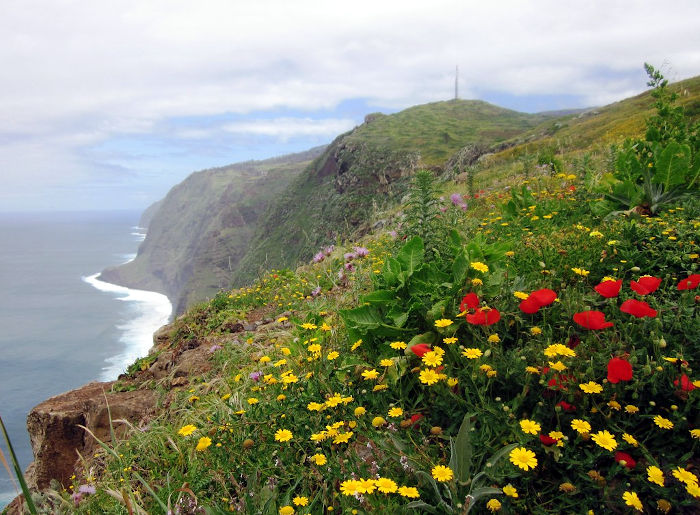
<point>60,327</point>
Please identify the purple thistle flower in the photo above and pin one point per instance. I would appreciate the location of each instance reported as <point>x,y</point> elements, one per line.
<point>255,376</point>
<point>329,250</point>
<point>361,251</point>
<point>456,199</point>
<point>349,267</point>
<point>319,257</point>
<point>315,291</point>
<point>349,256</point>
<point>87,489</point>
<point>214,348</point>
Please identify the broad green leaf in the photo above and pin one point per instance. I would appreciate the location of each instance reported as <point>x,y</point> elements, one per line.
<point>392,268</point>
<point>455,239</point>
<point>367,317</point>
<point>672,164</point>
<point>411,255</point>
<point>627,166</point>
<point>379,297</point>
<point>429,337</point>
<point>461,450</point>
<point>399,319</point>
<point>460,266</point>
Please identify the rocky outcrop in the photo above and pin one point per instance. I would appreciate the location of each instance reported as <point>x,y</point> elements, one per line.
<point>57,436</point>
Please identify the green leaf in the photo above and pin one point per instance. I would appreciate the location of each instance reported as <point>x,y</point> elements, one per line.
<point>392,268</point>
<point>420,505</point>
<point>627,165</point>
<point>399,319</point>
<point>379,297</point>
<point>367,317</point>
<point>672,164</point>
<point>493,460</point>
<point>411,255</point>
<point>461,450</point>
<point>455,239</point>
<point>436,311</point>
<point>460,266</point>
<point>431,481</point>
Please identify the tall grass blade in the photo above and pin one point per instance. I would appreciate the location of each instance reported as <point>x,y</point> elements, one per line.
<point>18,470</point>
<point>9,472</point>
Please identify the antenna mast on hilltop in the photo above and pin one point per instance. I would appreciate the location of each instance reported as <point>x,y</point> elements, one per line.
<point>456,82</point>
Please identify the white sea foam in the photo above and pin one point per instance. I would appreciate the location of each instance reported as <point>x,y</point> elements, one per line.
<point>148,311</point>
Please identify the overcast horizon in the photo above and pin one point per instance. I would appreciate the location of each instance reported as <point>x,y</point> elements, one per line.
<point>107,106</point>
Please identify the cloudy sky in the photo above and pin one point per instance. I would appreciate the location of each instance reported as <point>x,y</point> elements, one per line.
<point>106,105</point>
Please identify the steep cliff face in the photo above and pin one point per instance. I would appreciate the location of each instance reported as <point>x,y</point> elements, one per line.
<point>202,228</point>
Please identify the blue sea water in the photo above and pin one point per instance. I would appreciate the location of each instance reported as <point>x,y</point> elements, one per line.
<point>59,326</point>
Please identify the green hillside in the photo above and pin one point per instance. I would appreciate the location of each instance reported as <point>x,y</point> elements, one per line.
<point>366,171</point>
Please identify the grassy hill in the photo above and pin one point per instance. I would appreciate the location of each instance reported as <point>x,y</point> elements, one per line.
<point>367,170</point>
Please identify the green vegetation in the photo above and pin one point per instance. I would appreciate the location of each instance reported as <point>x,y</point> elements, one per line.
<point>536,357</point>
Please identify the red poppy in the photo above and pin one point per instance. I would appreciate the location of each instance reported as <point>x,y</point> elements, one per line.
<point>686,384</point>
<point>566,406</point>
<point>529,306</point>
<point>484,317</point>
<point>592,320</point>
<point>609,288</point>
<point>469,301</point>
<point>619,370</point>
<point>537,299</point>
<point>690,283</point>
<point>645,285</point>
<point>623,456</point>
<point>416,418</point>
<point>638,308</point>
<point>420,349</point>
<point>548,440</point>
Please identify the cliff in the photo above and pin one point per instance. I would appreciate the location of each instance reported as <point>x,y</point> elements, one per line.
<point>201,229</point>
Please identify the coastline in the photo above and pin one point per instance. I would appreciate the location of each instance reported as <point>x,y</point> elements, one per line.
<point>152,310</point>
<point>143,313</point>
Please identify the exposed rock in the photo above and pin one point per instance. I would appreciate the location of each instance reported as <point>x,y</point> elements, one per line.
<point>55,434</point>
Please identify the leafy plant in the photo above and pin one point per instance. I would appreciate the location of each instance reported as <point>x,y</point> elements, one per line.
<point>664,167</point>
<point>423,210</point>
<point>462,494</point>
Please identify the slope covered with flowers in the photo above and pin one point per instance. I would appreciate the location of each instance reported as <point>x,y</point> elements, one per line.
<point>542,362</point>
<point>509,349</point>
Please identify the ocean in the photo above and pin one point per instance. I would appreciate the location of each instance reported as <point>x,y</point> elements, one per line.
<point>60,327</point>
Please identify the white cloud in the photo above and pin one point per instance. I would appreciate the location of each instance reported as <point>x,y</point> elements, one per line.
<point>285,128</point>
<point>78,72</point>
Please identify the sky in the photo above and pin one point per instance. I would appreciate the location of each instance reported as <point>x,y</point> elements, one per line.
<point>107,105</point>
